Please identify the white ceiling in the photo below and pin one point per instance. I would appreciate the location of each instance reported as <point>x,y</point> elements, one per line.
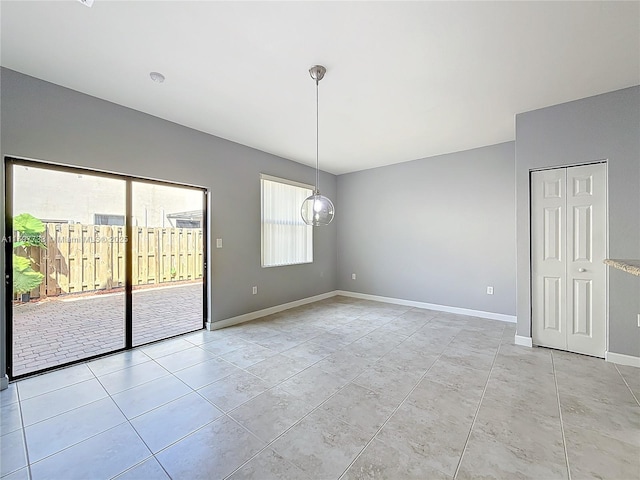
<point>405,80</point>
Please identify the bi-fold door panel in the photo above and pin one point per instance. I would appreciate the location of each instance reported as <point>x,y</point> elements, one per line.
<point>586,272</point>
<point>548,257</point>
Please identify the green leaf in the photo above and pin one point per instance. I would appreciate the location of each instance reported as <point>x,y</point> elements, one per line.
<point>30,230</point>
<point>20,264</point>
<point>25,278</point>
<point>27,224</point>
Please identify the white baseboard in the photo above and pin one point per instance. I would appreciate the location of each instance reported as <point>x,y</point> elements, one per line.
<point>431,306</point>
<point>523,341</point>
<point>247,317</point>
<point>622,359</point>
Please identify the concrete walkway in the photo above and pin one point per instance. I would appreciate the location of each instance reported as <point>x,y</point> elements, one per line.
<point>57,331</point>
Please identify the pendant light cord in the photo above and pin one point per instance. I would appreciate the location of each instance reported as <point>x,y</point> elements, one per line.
<point>317,142</point>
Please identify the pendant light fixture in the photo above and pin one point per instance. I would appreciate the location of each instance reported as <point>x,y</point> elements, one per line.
<point>317,210</point>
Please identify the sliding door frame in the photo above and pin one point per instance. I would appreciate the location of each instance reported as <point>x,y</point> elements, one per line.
<point>9,163</point>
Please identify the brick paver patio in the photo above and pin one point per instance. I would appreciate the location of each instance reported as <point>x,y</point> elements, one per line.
<point>57,331</point>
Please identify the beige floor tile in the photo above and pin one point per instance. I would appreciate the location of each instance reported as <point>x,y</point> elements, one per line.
<point>345,364</point>
<point>401,327</point>
<point>529,367</point>
<point>268,465</point>
<point>321,445</point>
<point>333,340</point>
<point>593,455</point>
<point>248,355</point>
<point>609,389</point>
<point>363,408</point>
<point>631,376</point>
<point>309,352</point>
<point>620,421</point>
<point>529,435</point>
<point>505,393</point>
<point>214,451</point>
<point>313,385</point>
<point>457,375</point>
<point>381,461</point>
<point>416,431</point>
<point>388,380</point>
<point>277,368</point>
<point>280,342</point>
<point>487,458</point>
<point>224,344</point>
<point>234,390</point>
<point>376,344</point>
<point>270,413</point>
<point>468,358</point>
<point>409,361</point>
<point>424,345</point>
<point>448,403</point>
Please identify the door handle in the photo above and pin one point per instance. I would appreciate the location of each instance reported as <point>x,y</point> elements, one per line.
<point>581,270</point>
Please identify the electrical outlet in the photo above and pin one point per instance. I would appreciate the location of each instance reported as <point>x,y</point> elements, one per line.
<point>489,290</point>
<point>218,243</point>
<point>353,276</point>
<point>255,290</point>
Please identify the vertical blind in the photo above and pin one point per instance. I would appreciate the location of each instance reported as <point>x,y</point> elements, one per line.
<point>286,239</point>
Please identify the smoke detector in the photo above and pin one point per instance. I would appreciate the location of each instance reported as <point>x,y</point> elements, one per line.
<point>157,77</point>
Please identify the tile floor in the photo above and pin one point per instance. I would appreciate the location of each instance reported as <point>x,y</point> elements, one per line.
<point>338,389</point>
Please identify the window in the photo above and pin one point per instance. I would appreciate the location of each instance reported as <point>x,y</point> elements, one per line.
<point>190,219</point>
<point>52,220</point>
<point>286,239</point>
<point>108,219</point>
<point>187,223</point>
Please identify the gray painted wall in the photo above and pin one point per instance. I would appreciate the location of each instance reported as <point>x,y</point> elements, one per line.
<point>46,122</point>
<point>597,128</point>
<point>436,230</point>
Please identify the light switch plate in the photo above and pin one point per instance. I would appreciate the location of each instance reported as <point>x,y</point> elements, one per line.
<point>218,243</point>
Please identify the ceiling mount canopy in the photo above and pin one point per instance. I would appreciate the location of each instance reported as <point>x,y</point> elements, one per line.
<point>317,210</point>
<point>317,73</point>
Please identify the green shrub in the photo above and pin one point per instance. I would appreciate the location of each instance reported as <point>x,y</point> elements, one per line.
<point>28,230</point>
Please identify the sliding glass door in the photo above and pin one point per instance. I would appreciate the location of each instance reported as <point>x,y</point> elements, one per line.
<point>98,263</point>
<point>168,260</point>
<point>68,276</point>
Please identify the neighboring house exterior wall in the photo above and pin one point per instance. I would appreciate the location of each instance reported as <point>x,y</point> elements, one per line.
<point>64,197</point>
